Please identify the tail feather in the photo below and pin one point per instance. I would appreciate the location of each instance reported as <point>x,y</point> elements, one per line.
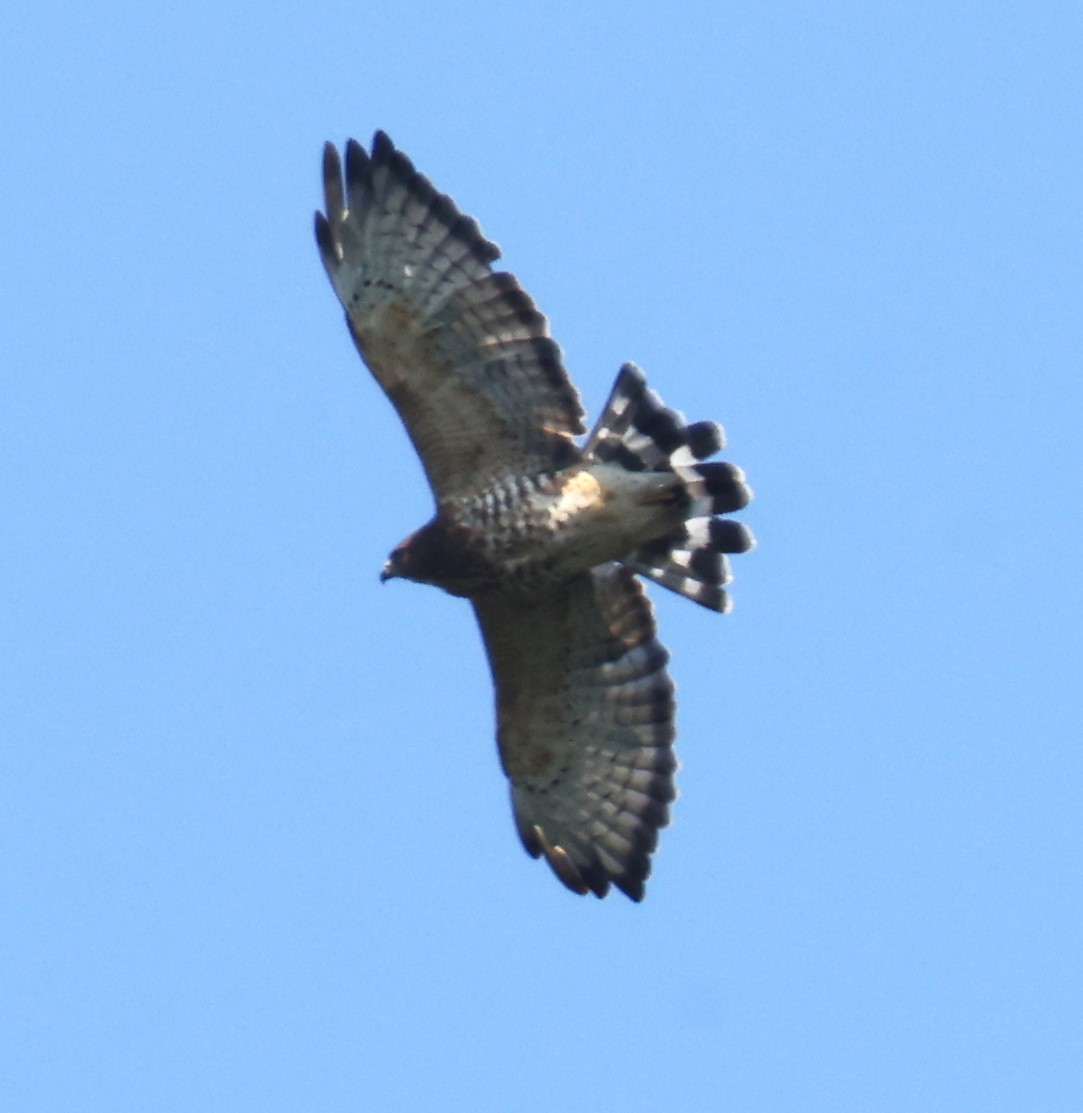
<point>640,433</point>
<point>714,488</point>
<point>693,560</point>
<point>638,430</point>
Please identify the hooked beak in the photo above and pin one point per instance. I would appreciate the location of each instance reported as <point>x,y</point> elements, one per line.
<point>388,573</point>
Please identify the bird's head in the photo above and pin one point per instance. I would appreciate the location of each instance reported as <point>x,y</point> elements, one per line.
<point>398,563</point>
<point>413,559</point>
<point>433,556</point>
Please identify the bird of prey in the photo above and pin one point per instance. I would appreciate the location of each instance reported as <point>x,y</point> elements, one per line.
<point>545,536</point>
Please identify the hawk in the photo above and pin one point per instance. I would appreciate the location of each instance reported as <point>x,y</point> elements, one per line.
<point>545,536</point>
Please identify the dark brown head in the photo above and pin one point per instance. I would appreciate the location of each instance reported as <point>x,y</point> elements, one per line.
<point>414,559</point>
<point>437,554</point>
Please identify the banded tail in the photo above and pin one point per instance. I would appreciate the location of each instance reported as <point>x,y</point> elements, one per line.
<point>638,431</point>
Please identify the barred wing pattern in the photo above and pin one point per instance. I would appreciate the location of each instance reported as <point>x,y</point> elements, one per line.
<point>462,352</point>
<point>585,723</point>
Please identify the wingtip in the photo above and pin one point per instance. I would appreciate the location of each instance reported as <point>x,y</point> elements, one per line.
<point>325,240</point>
<point>581,880</point>
<point>334,200</point>
<point>358,164</point>
<point>381,143</point>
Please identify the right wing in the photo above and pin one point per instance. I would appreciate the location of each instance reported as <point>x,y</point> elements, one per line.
<point>585,725</point>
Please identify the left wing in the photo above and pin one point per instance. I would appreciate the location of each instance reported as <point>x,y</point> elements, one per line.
<point>585,725</point>
<point>463,353</point>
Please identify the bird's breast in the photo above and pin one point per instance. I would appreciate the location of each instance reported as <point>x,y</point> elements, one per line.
<point>537,530</point>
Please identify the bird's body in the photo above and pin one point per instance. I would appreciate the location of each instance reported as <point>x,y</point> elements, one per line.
<point>529,533</point>
<point>544,536</point>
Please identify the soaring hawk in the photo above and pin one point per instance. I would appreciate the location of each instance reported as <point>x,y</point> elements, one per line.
<point>544,536</point>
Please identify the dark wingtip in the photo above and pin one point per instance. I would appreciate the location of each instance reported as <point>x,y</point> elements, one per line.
<point>632,889</point>
<point>325,240</point>
<point>385,153</point>
<point>334,200</point>
<point>563,866</point>
<point>331,165</point>
<point>358,170</point>
<point>382,147</point>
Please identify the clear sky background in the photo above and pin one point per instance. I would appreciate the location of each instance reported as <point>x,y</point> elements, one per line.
<point>255,848</point>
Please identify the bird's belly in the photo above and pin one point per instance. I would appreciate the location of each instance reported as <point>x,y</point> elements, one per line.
<point>534,532</point>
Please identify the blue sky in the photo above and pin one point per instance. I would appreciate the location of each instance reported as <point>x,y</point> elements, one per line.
<point>255,847</point>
